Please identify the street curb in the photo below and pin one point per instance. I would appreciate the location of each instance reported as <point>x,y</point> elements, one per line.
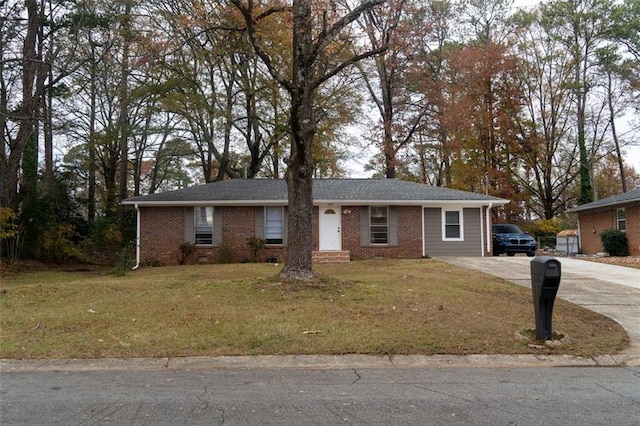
<point>318,362</point>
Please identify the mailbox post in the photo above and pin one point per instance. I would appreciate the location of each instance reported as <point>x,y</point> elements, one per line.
<point>545,280</point>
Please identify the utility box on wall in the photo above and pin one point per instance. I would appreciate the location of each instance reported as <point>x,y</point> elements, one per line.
<point>568,242</point>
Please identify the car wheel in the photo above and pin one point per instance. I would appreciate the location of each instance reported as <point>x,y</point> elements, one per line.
<point>530,254</point>
<point>511,254</point>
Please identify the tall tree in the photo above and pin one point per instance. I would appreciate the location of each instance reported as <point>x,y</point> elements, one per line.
<point>617,74</point>
<point>314,36</point>
<point>401,112</point>
<point>31,79</point>
<point>549,165</point>
<point>123,114</point>
<point>434,151</point>
<point>33,63</point>
<point>583,26</point>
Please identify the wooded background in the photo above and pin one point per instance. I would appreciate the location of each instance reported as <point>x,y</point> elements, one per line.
<point>102,100</point>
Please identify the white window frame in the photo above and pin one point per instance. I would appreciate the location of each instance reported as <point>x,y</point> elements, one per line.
<point>273,228</point>
<point>621,221</point>
<point>199,228</point>
<point>460,224</point>
<point>372,225</point>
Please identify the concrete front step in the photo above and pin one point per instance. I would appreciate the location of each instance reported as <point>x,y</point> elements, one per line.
<point>331,256</point>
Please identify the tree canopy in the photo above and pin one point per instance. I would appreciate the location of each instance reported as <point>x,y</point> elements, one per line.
<point>105,100</point>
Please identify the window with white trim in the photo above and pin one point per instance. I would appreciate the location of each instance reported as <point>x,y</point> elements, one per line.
<point>203,225</point>
<point>452,225</point>
<point>379,224</point>
<point>621,219</point>
<point>274,225</point>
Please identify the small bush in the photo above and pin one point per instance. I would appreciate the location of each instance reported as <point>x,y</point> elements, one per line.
<point>185,251</point>
<point>225,252</point>
<point>614,242</point>
<point>256,244</point>
<point>56,245</point>
<point>124,261</point>
<point>10,233</point>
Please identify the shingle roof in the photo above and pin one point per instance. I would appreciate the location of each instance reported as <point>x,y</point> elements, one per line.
<point>246,191</point>
<point>616,200</point>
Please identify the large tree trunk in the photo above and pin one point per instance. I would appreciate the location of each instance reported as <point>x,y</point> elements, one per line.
<point>299,264</point>
<point>28,117</point>
<point>306,78</point>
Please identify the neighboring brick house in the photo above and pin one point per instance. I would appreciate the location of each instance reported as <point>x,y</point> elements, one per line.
<point>618,212</point>
<point>353,219</point>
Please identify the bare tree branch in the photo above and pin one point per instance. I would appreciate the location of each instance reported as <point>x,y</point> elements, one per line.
<point>326,37</point>
<point>349,62</point>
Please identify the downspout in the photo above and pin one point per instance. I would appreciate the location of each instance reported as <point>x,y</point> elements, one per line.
<point>488,233</point>
<point>137,237</point>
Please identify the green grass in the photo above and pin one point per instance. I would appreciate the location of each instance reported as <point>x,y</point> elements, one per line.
<point>370,307</point>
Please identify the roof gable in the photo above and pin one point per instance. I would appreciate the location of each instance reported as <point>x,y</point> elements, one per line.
<point>272,191</point>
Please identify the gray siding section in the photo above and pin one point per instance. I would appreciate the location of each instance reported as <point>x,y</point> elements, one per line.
<point>189,234</point>
<point>217,226</point>
<point>393,226</point>
<point>472,244</point>
<point>365,239</point>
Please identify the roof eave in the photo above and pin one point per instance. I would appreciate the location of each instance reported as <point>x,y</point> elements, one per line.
<point>425,203</point>
<point>204,203</point>
<point>413,202</point>
<point>616,204</point>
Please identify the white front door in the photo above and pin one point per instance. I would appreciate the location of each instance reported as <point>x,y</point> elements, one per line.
<point>330,232</point>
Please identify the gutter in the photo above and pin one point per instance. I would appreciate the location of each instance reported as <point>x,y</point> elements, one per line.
<point>137,265</point>
<point>338,202</point>
<point>488,233</point>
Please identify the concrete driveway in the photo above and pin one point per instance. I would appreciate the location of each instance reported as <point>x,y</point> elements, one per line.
<point>610,290</point>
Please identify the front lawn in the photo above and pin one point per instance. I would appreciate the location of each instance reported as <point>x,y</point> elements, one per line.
<point>369,307</point>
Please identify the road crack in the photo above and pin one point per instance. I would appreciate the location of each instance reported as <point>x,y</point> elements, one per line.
<point>358,376</point>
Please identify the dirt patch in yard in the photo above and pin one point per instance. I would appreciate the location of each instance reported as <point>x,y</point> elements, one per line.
<point>628,261</point>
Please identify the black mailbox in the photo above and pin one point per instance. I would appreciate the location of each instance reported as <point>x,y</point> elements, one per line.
<point>545,280</point>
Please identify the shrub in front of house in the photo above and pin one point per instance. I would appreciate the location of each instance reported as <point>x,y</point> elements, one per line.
<point>614,242</point>
<point>185,251</point>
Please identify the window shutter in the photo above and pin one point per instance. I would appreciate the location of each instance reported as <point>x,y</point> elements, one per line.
<point>217,226</point>
<point>285,224</point>
<point>365,238</point>
<point>393,226</point>
<point>259,228</point>
<point>189,233</point>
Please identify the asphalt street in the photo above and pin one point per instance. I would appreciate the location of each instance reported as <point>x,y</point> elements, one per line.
<point>295,396</point>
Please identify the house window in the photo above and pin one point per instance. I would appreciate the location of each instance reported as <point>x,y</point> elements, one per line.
<point>379,220</point>
<point>203,225</point>
<point>274,225</point>
<point>452,225</point>
<point>621,220</point>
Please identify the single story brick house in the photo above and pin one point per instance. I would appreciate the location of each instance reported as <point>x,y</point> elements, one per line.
<point>618,212</point>
<point>353,219</point>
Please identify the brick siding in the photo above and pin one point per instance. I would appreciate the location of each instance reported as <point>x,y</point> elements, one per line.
<point>162,232</point>
<point>409,235</point>
<point>592,223</point>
